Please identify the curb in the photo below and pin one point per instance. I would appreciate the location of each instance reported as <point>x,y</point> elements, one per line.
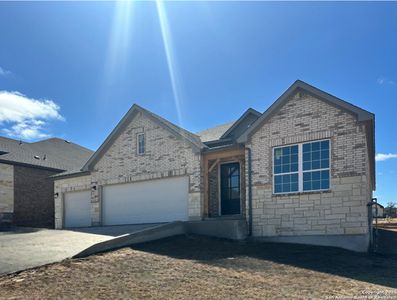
<point>142,236</point>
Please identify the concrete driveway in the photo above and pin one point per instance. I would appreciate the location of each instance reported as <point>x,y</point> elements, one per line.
<point>23,248</point>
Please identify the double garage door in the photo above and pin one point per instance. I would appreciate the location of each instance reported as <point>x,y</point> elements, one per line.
<point>154,201</point>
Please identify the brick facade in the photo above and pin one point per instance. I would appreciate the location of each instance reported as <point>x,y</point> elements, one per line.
<point>6,193</point>
<point>213,191</point>
<point>33,197</point>
<point>342,210</point>
<point>165,156</point>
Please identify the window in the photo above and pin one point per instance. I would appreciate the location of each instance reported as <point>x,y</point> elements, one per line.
<point>286,169</point>
<point>316,166</point>
<point>302,167</point>
<point>141,143</point>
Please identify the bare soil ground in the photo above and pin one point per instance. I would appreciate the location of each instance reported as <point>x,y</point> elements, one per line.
<point>196,267</point>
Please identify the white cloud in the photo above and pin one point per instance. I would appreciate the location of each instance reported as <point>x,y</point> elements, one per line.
<point>24,117</point>
<point>383,80</point>
<point>385,156</point>
<point>4,72</point>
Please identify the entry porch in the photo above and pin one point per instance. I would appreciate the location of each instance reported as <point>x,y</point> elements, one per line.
<point>224,184</point>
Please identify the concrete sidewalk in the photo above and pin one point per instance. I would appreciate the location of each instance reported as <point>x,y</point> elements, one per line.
<point>23,248</point>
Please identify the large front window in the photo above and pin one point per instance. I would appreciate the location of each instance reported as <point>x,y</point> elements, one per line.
<point>302,167</point>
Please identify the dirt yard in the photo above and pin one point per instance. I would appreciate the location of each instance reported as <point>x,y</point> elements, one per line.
<point>204,268</point>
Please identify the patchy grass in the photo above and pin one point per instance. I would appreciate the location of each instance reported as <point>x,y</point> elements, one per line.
<point>205,268</point>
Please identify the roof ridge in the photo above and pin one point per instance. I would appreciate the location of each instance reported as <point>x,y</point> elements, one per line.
<point>219,125</point>
<point>14,140</point>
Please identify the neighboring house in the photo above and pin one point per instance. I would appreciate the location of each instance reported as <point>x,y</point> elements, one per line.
<point>26,191</point>
<point>378,210</point>
<point>391,210</point>
<point>302,171</point>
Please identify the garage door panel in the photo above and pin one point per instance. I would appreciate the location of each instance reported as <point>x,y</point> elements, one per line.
<point>77,209</point>
<point>154,201</point>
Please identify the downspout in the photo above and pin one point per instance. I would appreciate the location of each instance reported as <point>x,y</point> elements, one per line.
<point>249,192</point>
<point>373,234</point>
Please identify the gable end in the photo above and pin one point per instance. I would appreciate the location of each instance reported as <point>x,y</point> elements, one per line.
<point>128,117</point>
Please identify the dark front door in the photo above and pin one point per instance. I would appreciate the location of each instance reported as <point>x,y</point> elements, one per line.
<point>230,189</point>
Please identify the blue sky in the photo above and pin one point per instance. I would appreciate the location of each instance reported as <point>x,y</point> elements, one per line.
<point>72,70</point>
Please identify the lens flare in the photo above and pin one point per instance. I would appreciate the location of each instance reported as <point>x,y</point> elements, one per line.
<point>170,56</point>
<point>120,39</point>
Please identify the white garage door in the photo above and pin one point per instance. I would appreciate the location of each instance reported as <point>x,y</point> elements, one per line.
<point>153,201</point>
<point>78,209</point>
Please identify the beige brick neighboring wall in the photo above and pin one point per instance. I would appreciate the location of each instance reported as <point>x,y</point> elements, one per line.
<point>342,210</point>
<point>6,188</point>
<point>61,186</point>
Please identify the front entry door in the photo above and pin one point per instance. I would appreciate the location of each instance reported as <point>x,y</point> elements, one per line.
<point>230,189</point>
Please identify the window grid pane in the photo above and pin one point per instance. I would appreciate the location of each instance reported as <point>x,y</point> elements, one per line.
<point>316,180</point>
<point>316,157</point>
<point>285,159</point>
<point>286,183</point>
<point>286,163</point>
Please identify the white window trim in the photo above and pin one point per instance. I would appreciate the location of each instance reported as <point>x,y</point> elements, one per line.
<point>137,143</point>
<point>300,169</point>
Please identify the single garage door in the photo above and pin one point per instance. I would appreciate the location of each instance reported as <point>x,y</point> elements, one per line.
<point>162,200</point>
<point>78,209</point>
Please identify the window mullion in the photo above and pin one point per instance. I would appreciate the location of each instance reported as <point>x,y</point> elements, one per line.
<point>300,167</point>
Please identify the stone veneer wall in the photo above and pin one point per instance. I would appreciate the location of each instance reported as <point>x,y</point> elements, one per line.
<point>6,192</point>
<point>342,210</point>
<point>165,156</point>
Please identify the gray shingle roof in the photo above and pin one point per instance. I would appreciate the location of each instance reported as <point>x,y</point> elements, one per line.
<point>52,153</point>
<point>214,133</point>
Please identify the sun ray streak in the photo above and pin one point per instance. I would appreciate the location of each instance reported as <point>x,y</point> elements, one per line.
<point>119,42</point>
<point>171,62</point>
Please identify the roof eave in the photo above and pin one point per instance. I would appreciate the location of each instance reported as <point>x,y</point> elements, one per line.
<point>23,164</point>
<point>77,174</point>
<point>238,122</point>
<point>221,148</point>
